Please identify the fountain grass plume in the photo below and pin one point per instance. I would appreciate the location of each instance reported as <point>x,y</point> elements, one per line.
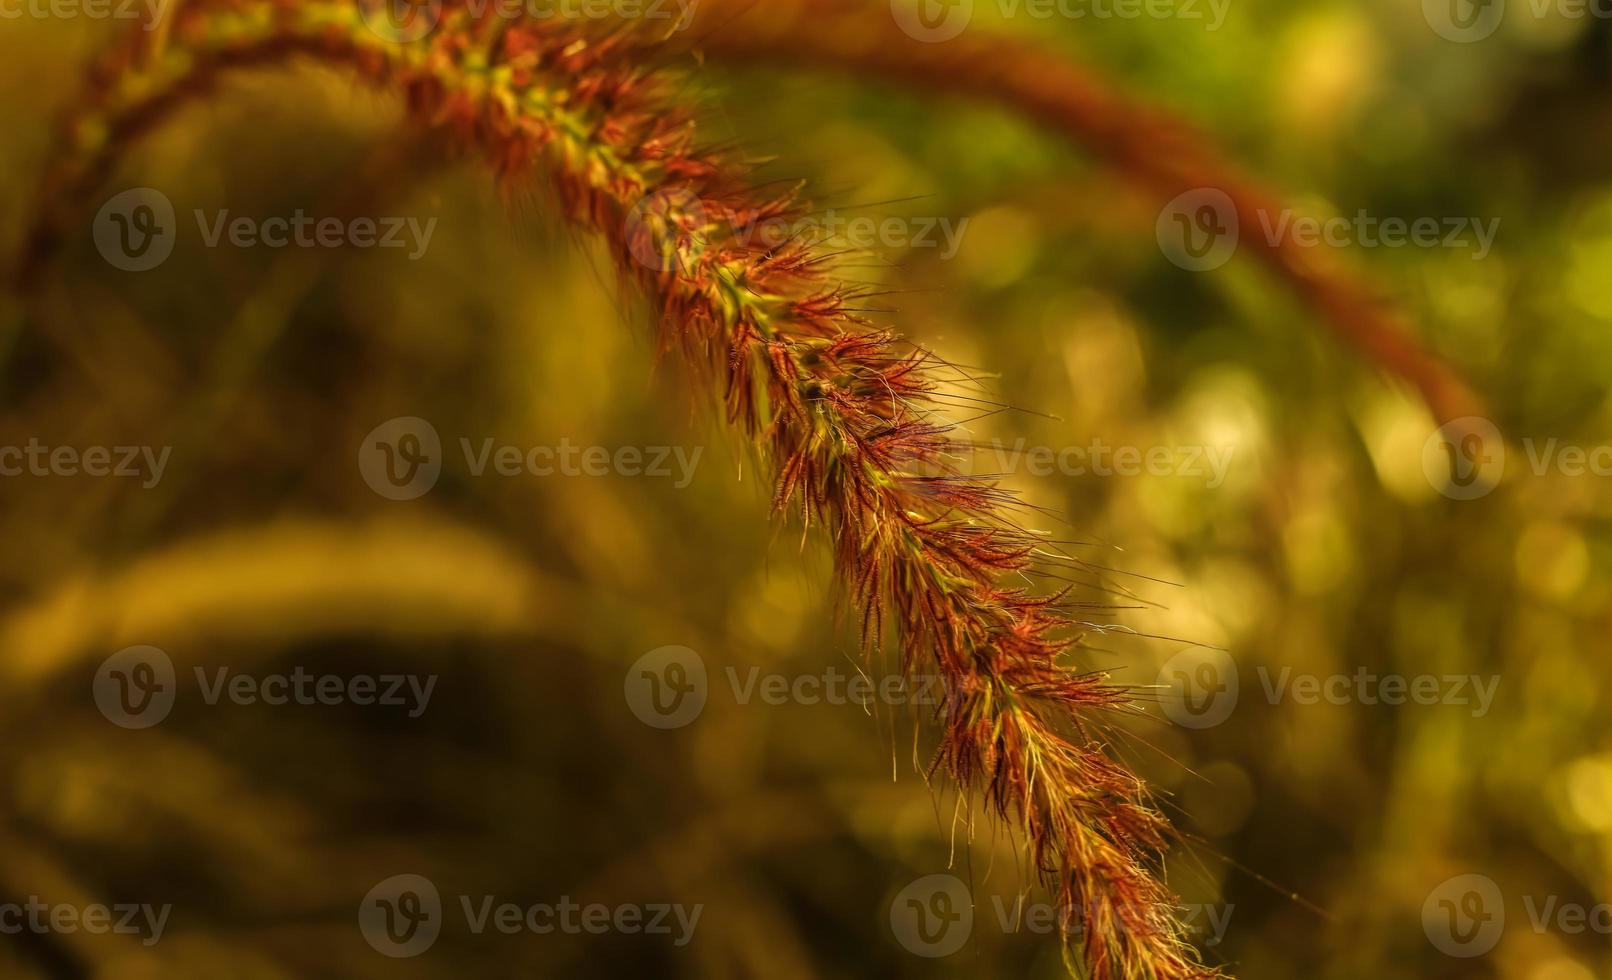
<point>850,419</point>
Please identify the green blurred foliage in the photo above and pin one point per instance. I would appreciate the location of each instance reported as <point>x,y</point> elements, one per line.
<point>1326,550</point>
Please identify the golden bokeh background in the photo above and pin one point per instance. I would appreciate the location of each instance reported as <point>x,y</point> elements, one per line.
<point>1320,830</point>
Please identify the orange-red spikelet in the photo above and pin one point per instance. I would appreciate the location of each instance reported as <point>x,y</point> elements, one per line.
<point>850,419</point>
